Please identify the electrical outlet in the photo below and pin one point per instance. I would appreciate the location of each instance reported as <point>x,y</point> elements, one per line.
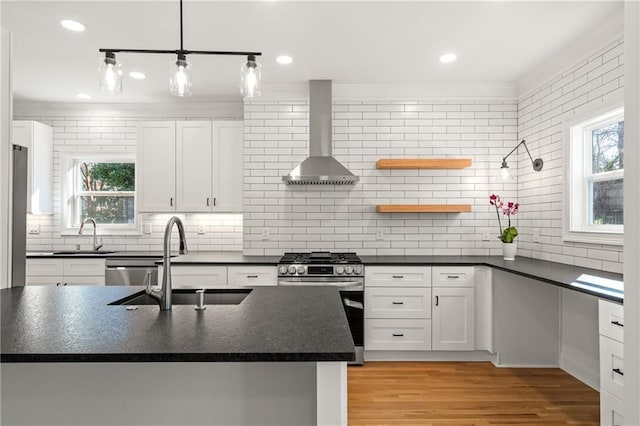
<point>201,230</point>
<point>147,228</point>
<point>536,235</point>
<point>266,234</point>
<point>34,229</point>
<point>486,235</point>
<point>380,234</point>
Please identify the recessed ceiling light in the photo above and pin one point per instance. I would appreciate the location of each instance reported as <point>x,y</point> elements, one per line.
<point>137,75</point>
<point>72,25</point>
<point>447,58</point>
<point>83,96</point>
<point>284,59</point>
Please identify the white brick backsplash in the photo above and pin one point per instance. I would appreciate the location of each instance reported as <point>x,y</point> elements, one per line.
<point>222,231</point>
<point>541,117</point>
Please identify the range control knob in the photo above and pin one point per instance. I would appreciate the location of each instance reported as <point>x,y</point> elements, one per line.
<point>301,270</point>
<point>349,270</point>
<point>292,270</point>
<point>340,270</point>
<point>357,270</point>
<point>282,270</point>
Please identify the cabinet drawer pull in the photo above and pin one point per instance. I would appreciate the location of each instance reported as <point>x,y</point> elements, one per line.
<point>453,276</point>
<point>208,201</point>
<point>57,284</point>
<point>171,201</point>
<point>214,201</point>
<point>398,276</point>
<point>397,334</point>
<point>397,303</point>
<point>252,276</point>
<point>437,300</point>
<point>618,323</point>
<point>618,371</point>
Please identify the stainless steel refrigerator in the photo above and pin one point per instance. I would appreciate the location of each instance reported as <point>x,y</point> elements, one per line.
<point>19,216</point>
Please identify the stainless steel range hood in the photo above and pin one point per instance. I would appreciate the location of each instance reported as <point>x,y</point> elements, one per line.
<point>320,168</point>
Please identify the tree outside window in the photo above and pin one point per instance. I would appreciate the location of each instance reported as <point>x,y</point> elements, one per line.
<point>606,181</point>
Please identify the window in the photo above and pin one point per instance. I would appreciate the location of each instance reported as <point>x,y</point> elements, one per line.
<point>594,209</point>
<point>101,186</point>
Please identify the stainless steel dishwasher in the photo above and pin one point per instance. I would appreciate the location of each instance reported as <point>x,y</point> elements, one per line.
<point>131,271</point>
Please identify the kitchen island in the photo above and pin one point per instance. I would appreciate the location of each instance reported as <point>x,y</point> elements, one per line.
<point>69,357</point>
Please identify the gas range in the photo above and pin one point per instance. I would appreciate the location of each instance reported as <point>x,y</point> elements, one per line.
<point>320,264</point>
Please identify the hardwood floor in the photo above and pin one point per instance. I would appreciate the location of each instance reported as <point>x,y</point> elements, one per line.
<point>467,393</point>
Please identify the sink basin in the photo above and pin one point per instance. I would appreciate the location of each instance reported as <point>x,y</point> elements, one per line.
<point>189,297</point>
<point>84,252</point>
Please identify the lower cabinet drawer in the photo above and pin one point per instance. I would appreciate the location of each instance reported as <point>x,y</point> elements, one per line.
<point>397,335</point>
<point>397,302</point>
<point>611,320</point>
<point>196,276</point>
<point>611,409</point>
<point>611,367</point>
<point>241,276</point>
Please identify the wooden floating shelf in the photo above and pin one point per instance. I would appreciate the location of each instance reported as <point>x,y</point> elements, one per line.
<point>423,208</point>
<point>424,163</point>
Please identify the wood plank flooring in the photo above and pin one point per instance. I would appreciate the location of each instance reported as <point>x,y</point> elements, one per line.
<point>467,393</point>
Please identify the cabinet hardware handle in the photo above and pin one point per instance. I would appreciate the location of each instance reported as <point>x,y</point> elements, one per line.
<point>398,303</point>
<point>57,284</point>
<point>214,201</point>
<point>252,276</point>
<point>171,201</point>
<point>65,284</point>
<point>398,276</point>
<point>208,201</point>
<point>453,276</point>
<point>618,323</point>
<point>437,300</point>
<point>617,370</point>
<point>397,334</point>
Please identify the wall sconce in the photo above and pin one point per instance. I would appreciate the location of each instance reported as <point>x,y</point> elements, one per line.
<point>505,173</point>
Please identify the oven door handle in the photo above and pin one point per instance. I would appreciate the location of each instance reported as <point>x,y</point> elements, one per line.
<point>353,304</point>
<point>343,284</point>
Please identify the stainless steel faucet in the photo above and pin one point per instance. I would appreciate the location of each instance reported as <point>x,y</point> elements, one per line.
<point>96,246</point>
<point>163,295</point>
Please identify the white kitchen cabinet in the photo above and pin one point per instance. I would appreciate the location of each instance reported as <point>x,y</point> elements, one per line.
<point>398,302</point>
<point>453,319</point>
<point>397,276</point>
<point>248,276</point>
<point>196,276</point>
<point>38,138</point>
<point>156,166</point>
<point>65,271</point>
<point>453,309</point>
<point>397,335</point>
<point>611,329</point>
<point>190,166</point>
<point>194,166</point>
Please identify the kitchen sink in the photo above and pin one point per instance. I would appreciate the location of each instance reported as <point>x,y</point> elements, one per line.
<point>189,297</point>
<point>83,252</point>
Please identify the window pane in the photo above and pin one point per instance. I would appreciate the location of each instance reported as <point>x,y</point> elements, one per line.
<point>105,209</point>
<point>95,176</point>
<point>607,148</point>
<point>607,202</point>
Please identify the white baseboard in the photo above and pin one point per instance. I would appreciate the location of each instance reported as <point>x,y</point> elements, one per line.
<point>581,372</point>
<point>428,356</point>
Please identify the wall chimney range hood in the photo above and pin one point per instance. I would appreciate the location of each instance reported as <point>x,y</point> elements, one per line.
<point>320,168</point>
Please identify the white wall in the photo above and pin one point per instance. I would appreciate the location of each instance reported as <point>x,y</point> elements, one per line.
<point>5,157</point>
<point>632,221</point>
<point>338,217</point>
<point>542,115</point>
<point>108,130</point>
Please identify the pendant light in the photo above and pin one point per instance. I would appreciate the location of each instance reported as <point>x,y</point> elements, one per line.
<point>110,74</point>
<point>180,82</point>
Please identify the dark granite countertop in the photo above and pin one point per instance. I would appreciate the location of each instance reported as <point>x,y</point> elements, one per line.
<point>77,324</point>
<point>598,283</point>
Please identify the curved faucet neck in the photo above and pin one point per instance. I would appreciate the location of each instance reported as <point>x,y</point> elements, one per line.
<point>165,291</point>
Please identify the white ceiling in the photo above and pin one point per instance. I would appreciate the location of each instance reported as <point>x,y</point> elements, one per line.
<point>348,42</point>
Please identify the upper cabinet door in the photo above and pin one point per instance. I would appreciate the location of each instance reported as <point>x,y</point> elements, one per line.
<point>38,138</point>
<point>194,166</point>
<point>227,181</point>
<point>156,166</point>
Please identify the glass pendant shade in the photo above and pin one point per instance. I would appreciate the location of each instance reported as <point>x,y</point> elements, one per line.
<point>505,175</point>
<point>250,75</point>
<point>110,75</point>
<point>180,77</point>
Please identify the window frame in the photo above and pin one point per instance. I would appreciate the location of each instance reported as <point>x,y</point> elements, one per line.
<point>70,196</point>
<point>576,209</point>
